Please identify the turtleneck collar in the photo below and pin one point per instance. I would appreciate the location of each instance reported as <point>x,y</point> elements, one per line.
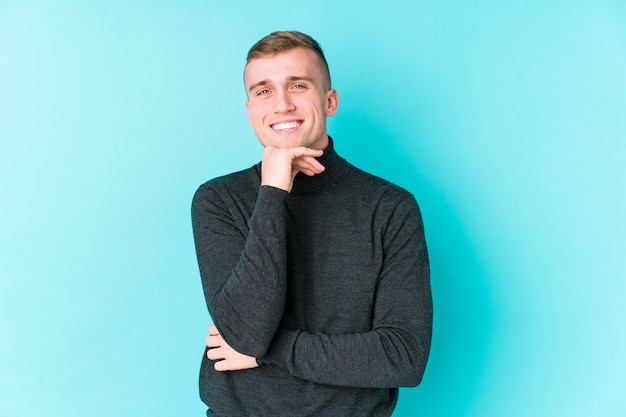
<point>335,166</point>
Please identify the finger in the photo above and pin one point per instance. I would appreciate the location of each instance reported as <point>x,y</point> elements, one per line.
<point>214,341</point>
<point>213,330</point>
<point>308,161</point>
<point>308,164</point>
<point>308,171</point>
<point>221,366</point>
<point>290,153</point>
<point>302,151</point>
<point>215,354</point>
<point>306,154</point>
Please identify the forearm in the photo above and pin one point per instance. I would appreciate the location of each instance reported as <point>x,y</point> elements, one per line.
<point>382,358</point>
<point>243,271</point>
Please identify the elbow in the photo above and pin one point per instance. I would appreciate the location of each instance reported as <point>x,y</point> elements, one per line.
<point>246,336</point>
<point>414,375</point>
<point>415,365</point>
<point>410,372</point>
<point>246,333</point>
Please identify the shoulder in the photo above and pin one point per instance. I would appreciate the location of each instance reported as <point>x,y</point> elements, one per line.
<point>238,183</point>
<point>364,183</point>
<point>384,199</point>
<point>394,208</point>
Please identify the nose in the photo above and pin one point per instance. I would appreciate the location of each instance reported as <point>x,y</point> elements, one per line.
<point>283,102</point>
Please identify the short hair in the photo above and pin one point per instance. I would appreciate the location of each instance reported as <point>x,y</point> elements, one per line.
<point>283,41</point>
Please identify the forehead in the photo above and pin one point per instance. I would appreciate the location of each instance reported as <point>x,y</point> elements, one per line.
<point>298,62</point>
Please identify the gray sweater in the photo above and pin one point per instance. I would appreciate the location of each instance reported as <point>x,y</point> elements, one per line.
<point>327,286</point>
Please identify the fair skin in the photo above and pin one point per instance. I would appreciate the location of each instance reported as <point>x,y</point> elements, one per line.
<point>228,359</point>
<point>288,101</point>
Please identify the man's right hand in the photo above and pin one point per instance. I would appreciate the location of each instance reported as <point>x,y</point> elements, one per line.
<point>280,165</point>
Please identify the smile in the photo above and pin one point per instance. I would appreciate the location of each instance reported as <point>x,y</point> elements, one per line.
<point>286,125</point>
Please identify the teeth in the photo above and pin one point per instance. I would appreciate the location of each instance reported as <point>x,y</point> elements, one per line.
<point>285,126</point>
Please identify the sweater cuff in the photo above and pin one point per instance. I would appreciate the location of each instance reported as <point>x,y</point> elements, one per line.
<point>281,350</point>
<point>272,191</point>
<point>270,203</point>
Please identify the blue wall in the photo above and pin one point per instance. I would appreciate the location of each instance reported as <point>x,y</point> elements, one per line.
<point>507,120</point>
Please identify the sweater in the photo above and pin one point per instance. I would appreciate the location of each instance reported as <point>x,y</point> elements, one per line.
<point>327,286</point>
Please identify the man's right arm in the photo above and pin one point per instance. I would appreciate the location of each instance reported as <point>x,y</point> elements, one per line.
<point>243,274</point>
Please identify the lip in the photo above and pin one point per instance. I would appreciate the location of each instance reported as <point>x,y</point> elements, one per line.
<point>286,126</point>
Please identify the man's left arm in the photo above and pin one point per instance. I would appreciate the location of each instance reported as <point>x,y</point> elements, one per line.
<point>395,351</point>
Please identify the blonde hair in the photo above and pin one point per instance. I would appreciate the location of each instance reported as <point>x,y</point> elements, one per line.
<point>283,41</point>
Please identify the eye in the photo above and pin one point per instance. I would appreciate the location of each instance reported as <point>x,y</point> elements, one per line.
<point>263,92</point>
<point>299,86</point>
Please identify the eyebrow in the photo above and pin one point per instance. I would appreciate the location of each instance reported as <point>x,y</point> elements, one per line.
<point>292,78</point>
<point>255,85</point>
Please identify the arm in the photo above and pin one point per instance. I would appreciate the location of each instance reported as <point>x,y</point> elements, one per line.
<point>243,264</point>
<point>394,352</point>
<point>243,274</point>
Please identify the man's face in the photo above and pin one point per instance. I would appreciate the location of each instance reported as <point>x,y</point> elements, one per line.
<point>289,100</point>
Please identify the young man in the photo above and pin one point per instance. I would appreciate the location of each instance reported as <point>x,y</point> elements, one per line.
<point>315,273</point>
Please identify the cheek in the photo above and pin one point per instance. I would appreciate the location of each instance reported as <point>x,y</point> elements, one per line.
<point>257,112</point>
<point>253,117</point>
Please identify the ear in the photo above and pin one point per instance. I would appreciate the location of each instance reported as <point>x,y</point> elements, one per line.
<point>249,112</point>
<point>332,102</point>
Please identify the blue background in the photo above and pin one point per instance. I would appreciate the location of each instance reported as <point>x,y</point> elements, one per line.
<point>505,119</point>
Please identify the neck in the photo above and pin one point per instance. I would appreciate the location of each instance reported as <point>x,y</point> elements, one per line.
<point>321,144</point>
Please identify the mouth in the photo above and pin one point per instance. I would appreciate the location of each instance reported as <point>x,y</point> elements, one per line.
<point>286,127</point>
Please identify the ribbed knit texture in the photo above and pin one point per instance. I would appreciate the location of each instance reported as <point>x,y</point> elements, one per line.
<point>328,286</point>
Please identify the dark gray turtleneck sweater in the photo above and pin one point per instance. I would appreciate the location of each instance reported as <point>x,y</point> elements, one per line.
<point>327,286</point>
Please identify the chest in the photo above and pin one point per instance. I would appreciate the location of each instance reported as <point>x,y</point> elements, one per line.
<point>334,252</point>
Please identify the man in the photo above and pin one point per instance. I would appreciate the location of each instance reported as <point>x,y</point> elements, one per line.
<point>315,273</point>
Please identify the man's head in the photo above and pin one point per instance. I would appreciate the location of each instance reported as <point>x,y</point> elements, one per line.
<point>289,95</point>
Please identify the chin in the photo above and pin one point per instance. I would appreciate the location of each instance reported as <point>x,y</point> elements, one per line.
<point>286,142</point>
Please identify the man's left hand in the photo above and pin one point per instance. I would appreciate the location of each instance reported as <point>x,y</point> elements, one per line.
<point>228,359</point>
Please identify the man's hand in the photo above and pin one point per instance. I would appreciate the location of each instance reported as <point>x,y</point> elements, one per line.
<point>228,359</point>
<point>280,165</point>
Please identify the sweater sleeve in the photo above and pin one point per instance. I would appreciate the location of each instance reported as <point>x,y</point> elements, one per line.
<point>243,271</point>
<point>394,352</point>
